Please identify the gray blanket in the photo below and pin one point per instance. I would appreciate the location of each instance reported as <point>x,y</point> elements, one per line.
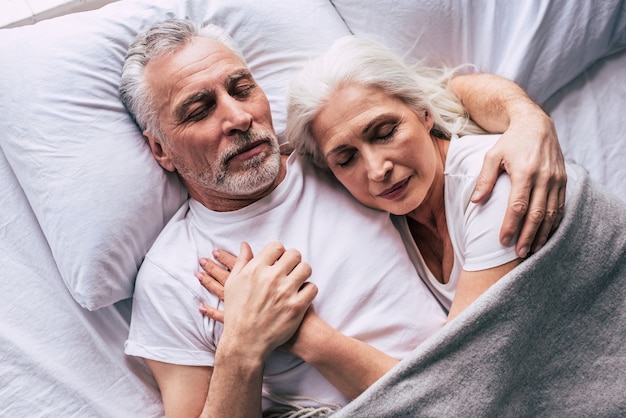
<point>549,339</point>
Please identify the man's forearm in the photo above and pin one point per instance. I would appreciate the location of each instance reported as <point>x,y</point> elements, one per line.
<point>236,383</point>
<point>492,101</point>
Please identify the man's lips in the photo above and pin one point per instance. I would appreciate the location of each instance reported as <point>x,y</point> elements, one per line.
<point>396,190</point>
<point>249,150</point>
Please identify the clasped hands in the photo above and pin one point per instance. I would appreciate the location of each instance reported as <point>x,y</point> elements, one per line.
<point>266,296</point>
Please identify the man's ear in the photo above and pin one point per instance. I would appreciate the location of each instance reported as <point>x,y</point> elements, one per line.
<point>159,153</point>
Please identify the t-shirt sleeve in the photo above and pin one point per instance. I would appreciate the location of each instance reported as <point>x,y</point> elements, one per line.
<point>482,230</point>
<point>165,324</point>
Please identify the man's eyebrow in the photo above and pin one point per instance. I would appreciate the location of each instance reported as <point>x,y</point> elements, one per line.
<point>201,96</point>
<point>238,75</point>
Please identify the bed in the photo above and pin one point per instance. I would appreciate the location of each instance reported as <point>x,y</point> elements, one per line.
<point>82,200</point>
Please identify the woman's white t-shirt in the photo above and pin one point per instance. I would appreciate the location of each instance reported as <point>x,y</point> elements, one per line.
<point>474,228</point>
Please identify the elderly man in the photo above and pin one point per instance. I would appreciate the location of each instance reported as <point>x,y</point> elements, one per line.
<point>205,118</point>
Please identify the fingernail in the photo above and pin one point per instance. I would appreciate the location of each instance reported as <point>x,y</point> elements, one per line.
<point>523,252</point>
<point>198,275</point>
<point>203,261</point>
<point>506,240</point>
<point>216,253</point>
<point>476,195</point>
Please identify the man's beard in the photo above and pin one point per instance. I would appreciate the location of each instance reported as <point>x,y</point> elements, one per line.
<point>256,173</point>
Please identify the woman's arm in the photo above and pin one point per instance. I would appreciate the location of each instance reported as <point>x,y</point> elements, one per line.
<point>528,151</point>
<point>347,363</point>
<point>472,284</point>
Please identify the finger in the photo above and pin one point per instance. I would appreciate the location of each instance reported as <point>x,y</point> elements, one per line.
<point>532,222</point>
<point>301,272</point>
<point>516,210</point>
<point>560,209</point>
<point>214,270</point>
<point>487,177</point>
<point>307,293</point>
<point>290,259</point>
<point>551,220</point>
<point>212,313</point>
<point>245,255</point>
<point>270,254</point>
<point>225,258</point>
<point>211,284</point>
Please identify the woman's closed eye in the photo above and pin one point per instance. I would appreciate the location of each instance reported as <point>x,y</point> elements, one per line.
<point>344,159</point>
<point>386,132</point>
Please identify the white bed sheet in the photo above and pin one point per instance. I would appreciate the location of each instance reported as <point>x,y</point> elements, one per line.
<point>590,117</point>
<point>56,358</point>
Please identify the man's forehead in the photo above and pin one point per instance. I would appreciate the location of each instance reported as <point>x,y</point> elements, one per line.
<point>202,63</point>
<point>201,54</point>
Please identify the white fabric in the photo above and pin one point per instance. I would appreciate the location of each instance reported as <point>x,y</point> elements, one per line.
<point>56,358</point>
<point>589,118</point>
<point>475,228</point>
<point>368,288</point>
<point>541,44</point>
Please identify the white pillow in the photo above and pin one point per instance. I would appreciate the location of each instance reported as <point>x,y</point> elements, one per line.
<point>540,44</point>
<point>97,193</point>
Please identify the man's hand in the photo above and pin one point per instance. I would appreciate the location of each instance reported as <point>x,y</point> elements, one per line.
<point>530,153</point>
<point>265,296</point>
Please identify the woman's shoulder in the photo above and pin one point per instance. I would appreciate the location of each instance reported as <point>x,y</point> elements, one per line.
<point>466,153</point>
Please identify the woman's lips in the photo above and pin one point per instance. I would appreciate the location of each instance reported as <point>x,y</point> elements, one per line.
<point>396,190</point>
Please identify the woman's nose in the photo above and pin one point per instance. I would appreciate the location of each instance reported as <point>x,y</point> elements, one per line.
<point>378,168</point>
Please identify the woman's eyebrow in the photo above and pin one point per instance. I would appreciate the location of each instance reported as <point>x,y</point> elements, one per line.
<point>380,118</point>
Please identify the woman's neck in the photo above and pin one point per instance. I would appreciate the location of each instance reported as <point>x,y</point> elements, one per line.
<point>428,223</point>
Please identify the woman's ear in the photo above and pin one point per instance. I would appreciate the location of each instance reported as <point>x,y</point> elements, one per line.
<point>159,152</point>
<point>429,122</point>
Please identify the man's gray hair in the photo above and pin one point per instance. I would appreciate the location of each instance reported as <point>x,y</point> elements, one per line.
<point>353,60</point>
<point>162,38</point>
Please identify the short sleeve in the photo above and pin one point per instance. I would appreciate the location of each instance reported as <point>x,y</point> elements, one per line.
<point>166,324</point>
<point>482,230</point>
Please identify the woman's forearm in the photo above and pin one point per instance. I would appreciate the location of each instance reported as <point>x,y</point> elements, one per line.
<point>349,364</point>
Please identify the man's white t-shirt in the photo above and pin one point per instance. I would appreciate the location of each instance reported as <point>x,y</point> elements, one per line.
<point>474,228</point>
<point>368,287</point>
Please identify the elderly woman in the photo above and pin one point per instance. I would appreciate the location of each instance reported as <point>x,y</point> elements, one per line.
<point>399,141</point>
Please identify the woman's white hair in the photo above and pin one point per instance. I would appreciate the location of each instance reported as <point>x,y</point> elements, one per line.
<point>353,60</point>
<point>165,37</point>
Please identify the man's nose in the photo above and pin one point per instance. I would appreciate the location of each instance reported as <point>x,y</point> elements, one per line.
<point>235,116</point>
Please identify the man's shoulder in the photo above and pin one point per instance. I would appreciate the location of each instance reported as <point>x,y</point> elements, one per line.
<point>174,250</point>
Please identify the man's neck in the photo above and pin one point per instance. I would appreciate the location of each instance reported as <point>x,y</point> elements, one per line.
<point>230,203</point>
